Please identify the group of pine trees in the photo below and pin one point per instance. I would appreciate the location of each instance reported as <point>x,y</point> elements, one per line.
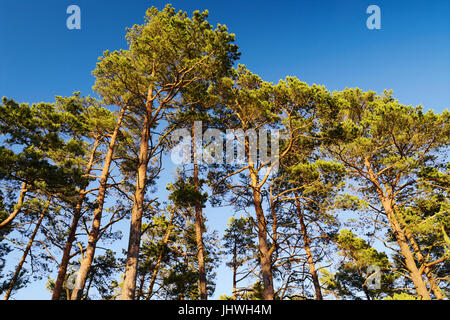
<point>360,181</point>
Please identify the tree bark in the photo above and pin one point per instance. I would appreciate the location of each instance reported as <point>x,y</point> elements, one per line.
<point>264,250</point>
<point>265,254</point>
<point>129,284</point>
<point>366,292</point>
<point>387,204</point>
<point>86,263</point>
<point>234,296</point>
<point>72,231</point>
<point>434,286</point>
<point>199,227</point>
<point>309,256</point>
<point>24,257</point>
<point>266,263</point>
<point>416,276</point>
<point>10,218</point>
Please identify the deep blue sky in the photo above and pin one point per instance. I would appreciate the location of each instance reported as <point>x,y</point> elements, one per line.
<point>323,42</point>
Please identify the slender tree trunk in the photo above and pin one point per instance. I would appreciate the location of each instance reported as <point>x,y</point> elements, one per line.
<point>266,261</point>
<point>200,253</point>
<point>24,257</point>
<point>199,226</point>
<point>7,221</point>
<point>265,254</point>
<point>160,257</point>
<point>387,204</point>
<point>86,294</point>
<point>416,276</point>
<point>141,286</point>
<point>129,284</point>
<point>72,231</point>
<point>264,250</point>
<point>234,296</point>
<point>434,286</point>
<point>309,256</point>
<point>154,275</point>
<point>366,292</point>
<point>86,263</point>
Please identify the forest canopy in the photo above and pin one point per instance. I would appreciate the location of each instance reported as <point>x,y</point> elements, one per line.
<point>352,203</point>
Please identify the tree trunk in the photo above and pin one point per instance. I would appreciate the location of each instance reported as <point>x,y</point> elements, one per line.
<point>95,228</point>
<point>72,231</point>
<point>141,286</point>
<point>154,275</point>
<point>7,221</point>
<point>387,204</point>
<point>416,277</point>
<point>235,270</point>
<point>434,286</point>
<point>265,252</point>
<point>24,257</point>
<point>265,255</point>
<point>266,263</point>
<point>160,257</point>
<point>129,284</point>
<point>309,256</point>
<point>199,227</point>
<point>366,291</point>
<point>200,253</point>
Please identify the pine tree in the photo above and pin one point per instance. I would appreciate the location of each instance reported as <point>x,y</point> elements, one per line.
<point>239,244</point>
<point>353,271</point>
<point>383,145</point>
<point>170,51</point>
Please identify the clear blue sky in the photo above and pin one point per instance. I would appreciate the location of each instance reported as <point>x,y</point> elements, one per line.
<point>323,42</point>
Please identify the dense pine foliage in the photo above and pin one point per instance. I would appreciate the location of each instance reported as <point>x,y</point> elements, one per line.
<point>355,206</point>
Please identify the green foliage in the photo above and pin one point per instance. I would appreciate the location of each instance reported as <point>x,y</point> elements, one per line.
<point>240,247</point>
<point>168,52</point>
<point>402,296</point>
<point>101,272</point>
<point>347,150</point>
<point>184,194</point>
<point>239,237</point>
<point>256,292</point>
<point>180,277</point>
<point>394,154</point>
<point>359,250</point>
<point>350,280</point>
